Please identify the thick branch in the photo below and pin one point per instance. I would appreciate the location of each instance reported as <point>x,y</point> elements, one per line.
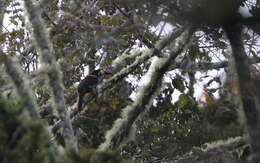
<point>204,66</point>
<point>23,90</point>
<point>144,56</point>
<point>53,72</point>
<point>16,74</point>
<point>2,12</point>
<point>222,151</point>
<point>21,85</point>
<point>248,92</point>
<point>156,50</point>
<point>147,54</point>
<point>145,96</point>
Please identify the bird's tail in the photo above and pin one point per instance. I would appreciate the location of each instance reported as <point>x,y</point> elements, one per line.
<point>80,101</point>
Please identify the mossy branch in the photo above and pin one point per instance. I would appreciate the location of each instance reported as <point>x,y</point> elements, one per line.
<point>144,56</point>
<point>22,85</point>
<point>145,95</point>
<point>44,49</point>
<point>250,103</point>
<point>219,151</point>
<point>2,13</point>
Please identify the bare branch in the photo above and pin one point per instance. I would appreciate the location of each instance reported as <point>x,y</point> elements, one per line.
<point>205,66</point>
<point>141,38</point>
<point>108,34</point>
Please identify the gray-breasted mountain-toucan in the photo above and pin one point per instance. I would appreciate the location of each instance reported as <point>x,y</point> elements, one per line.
<point>89,84</point>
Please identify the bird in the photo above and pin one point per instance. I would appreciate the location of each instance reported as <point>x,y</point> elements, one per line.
<point>89,84</point>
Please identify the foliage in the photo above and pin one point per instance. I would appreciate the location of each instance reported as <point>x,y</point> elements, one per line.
<point>174,129</point>
<point>22,140</point>
<point>91,156</point>
<point>91,34</point>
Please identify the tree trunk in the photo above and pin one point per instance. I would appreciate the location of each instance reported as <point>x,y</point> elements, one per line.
<point>247,89</point>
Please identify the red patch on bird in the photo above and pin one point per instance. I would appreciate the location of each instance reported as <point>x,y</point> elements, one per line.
<point>85,91</point>
<point>107,71</point>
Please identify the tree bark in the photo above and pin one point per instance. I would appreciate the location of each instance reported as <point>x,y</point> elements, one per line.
<point>140,57</point>
<point>44,49</point>
<point>144,97</point>
<point>247,90</point>
<point>222,151</point>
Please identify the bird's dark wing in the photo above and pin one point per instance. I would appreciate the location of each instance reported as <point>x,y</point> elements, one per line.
<point>91,80</point>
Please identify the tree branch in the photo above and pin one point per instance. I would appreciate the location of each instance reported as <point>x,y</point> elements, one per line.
<point>205,66</point>
<point>21,85</point>
<point>141,38</point>
<point>156,50</point>
<point>248,92</point>
<point>2,13</point>
<point>145,96</point>
<point>221,151</point>
<point>53,72</point>
<point>144,56</point>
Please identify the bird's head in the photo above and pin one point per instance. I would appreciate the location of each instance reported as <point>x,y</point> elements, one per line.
<point>102,71</point>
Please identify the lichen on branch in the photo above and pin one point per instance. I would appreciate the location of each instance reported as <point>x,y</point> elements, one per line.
<point>145,95</point>
<point>45,51</point>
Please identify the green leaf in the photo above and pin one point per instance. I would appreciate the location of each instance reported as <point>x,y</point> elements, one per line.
<point>116,20</point>
<point>183,101</point>
<point>194,51</point>
<point>72,55</point>
<point>178,83</point>
<point>13,21</point>
<point>114,103</point>
<point>71,90</point>
<point>2,58</point>
<point>3,36</point>
<point>104,19</point>
<point>108,61</point>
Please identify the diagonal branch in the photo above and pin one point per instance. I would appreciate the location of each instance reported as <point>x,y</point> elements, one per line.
<point>55,79</point>
<point>221,151</point>
<point>2,13</point>
<point>17,75</point>
<point>23,90</point>
<point>141,38</point>
<point>21,85</point>
<point>156,50</point>
<point>145,95</point>
<point>147,54</point>
<point>144,56</point>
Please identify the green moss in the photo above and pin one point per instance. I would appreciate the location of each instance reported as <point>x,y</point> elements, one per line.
<point>173,129</point>
<point>21,140</point>
<point>91,156</point>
